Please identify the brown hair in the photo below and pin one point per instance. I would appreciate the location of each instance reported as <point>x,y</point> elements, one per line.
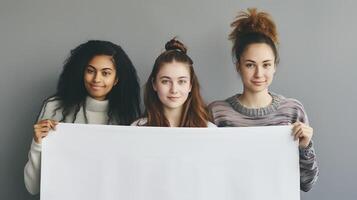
<point>194,113</point>
<point>253,27</point>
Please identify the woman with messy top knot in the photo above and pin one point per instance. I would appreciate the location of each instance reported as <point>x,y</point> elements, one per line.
<point>255,53</point>
<point>98,85</point>
<point>172,95</point>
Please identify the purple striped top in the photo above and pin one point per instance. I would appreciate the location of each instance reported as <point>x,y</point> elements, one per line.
<point>281,111</point>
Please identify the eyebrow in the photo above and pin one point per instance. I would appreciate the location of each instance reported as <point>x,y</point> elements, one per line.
<point>100,69</point>
<point>170,77</point>
<point>250,61</point>
<point>254,61</point>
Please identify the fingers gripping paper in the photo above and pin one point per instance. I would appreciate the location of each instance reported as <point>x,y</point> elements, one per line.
<point>146,163</point>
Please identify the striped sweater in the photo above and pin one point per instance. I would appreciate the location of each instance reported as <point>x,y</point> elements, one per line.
<point>281,111</point>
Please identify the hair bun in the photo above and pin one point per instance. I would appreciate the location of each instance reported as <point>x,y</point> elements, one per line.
<point>174,44</point>
<point>253,21</point>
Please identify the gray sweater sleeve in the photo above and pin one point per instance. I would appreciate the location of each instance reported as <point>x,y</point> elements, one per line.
<point>309,170</point>
<point>32,170</point>
<point>287,111</point>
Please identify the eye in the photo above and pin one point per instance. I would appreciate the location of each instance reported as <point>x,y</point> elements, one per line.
<point>249,65</point>
<point>267,65</point>
<point>164,81</point>
<point>181,82</point>
<point>90,71</point>
<point>106,73</point>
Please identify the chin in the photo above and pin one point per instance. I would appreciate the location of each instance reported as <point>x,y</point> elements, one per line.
<point>257,90</point>
<point>173,106</point>
<point>96,96</point>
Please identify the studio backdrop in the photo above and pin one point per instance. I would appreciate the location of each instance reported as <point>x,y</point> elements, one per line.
<point>317,67</point>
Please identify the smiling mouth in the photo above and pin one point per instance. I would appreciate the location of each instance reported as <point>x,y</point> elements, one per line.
<point>258,82</point>
<point>96,87</point>
<point>173,98</point>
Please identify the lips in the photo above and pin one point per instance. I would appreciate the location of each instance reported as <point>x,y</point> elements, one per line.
<point>173,98</point>
<point>96,87</point>
<point>258,82</point>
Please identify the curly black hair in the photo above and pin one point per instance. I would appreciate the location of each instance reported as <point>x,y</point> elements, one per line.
<point>124,98</point>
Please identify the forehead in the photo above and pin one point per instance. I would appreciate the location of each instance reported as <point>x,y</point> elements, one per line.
<point>174,70</point>
<point>258,52</point>
<point>101,62</point>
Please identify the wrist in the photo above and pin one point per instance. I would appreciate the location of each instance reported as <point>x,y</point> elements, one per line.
<point>306,152</point>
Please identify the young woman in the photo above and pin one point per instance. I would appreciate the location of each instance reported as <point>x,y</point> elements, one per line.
<point>172,95</point>
<point>255,40</point>
<point>98,85</point>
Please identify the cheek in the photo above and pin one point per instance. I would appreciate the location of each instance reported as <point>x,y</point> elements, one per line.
<point>162,90</point>
<point>110,81</point>
<point>188,89</point>
<point>270,75</point>
<point>87,77</point>
<point>185,90</point>
<point>245,75</point>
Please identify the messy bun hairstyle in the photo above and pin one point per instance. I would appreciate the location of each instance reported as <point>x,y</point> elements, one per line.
<point>194,113</point>
<point>253,27</point>
<point>174,44</point>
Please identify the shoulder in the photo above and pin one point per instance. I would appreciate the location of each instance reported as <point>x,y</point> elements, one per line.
<point>217,103</point>
<point>221,108</point>
<point>140,122</point>
<point>293,107</point>
<point>50,108</point>
<point>52,102</point>
<point>290,102</point>
<point>211,125</point>
<point>221,104</point>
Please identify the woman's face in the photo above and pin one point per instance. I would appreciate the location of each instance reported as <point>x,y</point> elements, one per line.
<point>173,84</point>
<point>100,76</point>
<point>257,67</point>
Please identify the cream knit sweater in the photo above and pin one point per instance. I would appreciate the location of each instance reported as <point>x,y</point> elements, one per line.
<point>96,113</point>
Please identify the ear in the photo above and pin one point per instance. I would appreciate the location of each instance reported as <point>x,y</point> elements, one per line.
<point>274,68</point>
<point>153,85</point>
<point>238,67</point>
<point>116,81</point>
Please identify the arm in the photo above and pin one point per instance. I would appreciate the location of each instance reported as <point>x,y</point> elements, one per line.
<point>139,122</point>
<point>309,170</point>
<point>32,171</point>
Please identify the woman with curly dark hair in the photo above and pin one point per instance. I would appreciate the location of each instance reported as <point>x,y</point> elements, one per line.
<point>98,85</point>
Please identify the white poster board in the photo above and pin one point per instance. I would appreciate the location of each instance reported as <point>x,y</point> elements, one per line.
<point>102,162</point>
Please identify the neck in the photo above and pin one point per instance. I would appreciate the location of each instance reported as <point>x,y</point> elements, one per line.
<point>173,115</point>
<point>255,99</point>
<point>96,105</point>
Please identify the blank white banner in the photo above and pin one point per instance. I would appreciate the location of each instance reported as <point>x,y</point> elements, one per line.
<point>93,162</point>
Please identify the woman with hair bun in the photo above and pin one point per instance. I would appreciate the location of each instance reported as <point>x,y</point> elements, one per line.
<point>98,85</point>
<point>172,95</point>
<point>255,41</point>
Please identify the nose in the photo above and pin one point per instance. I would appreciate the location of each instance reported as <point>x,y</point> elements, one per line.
<point>173,88</point>
<point>96,77</point>
<point>258,71</point>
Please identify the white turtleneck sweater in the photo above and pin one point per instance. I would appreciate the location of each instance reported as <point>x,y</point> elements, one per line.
<point>96,112</point>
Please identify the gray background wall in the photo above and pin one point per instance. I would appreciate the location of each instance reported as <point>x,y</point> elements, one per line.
<point>318,66</point>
